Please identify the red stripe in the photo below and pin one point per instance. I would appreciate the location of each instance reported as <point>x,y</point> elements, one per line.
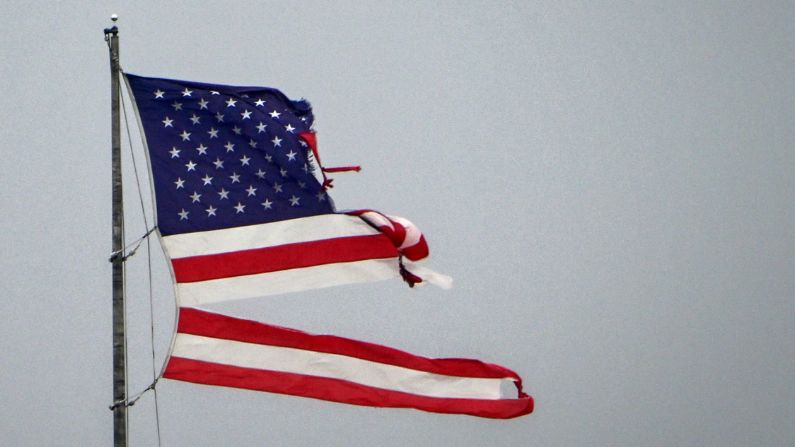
<point>283,257</point>
<point>198,322</point>
<point>343,169</point>
<point>336,390</point>
<point>417,251</point>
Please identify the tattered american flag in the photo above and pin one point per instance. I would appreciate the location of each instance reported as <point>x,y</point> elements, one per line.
<point>242,212</point>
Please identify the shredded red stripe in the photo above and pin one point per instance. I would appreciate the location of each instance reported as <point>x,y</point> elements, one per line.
<point>283,257</point>
<point>198,322</point>
<point>337,390</point>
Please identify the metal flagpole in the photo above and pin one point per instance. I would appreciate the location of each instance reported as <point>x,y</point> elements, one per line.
<point>119,337</point>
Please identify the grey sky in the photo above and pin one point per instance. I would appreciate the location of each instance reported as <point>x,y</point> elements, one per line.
<point>610,184</point>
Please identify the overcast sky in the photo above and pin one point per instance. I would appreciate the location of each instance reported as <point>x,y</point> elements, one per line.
<point>611,184</point>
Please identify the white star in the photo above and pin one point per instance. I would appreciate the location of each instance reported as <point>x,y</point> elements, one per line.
<point>302,143</point>
<point>219,117</point>
<point>202,149</point>
<point>277,187</point>
<point>291,155</point>
<point>267,204</point>
<point>289,128</point>
<point>306,168</point>
<point>301,184</point>
<point>275,114</point>
<point>180,183</point>
<point>269,158</point>
<point>190,165</point>
<point>283,172</point>
<point>235,177</point>
<point>229,146</point>
<point>231,102</point>
<point>261,127</point>
<point>167,122</point>
<point>213,92</point>
<point>321,196</point>
<point>185,135</point>
<point>174,152</point>
<point>239,208</point>
<point>252,143</point>
<point>260,173</point>
<point>252,191</point>
<point>159,94</point>
<point>210,211</point>
<point>244,160</point>
<point>223,194</point>
<point>186,92</point>
<point>276,142</point>
<point>246,115</point>
<point>203,104</point>
<point>183,215</point>
<point>219,164</point>
<point>236,130</point>
<point>259,102</point>
<point>195,197</point>
<point>213,132</point>
<point>207,179</point>
<point>294,201</point>
<point>177,106</point>
<point>195,119</point>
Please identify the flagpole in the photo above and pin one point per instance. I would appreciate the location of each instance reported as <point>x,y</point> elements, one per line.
<point>119,337</point>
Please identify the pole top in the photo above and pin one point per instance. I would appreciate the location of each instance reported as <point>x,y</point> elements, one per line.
<point>112,30</point>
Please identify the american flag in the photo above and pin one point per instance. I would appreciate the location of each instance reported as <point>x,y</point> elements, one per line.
<point>241,214</point>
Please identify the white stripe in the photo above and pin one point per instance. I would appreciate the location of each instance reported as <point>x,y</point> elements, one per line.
<point>377,219</point>
<point>334,366</point>
<point>325,226</point>
<point>285,281</point>
<point>429,276</point>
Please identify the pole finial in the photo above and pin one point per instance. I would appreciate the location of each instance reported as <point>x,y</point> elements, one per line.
<point>113,29</point>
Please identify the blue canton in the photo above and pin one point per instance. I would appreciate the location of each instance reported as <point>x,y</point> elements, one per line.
<point>224,156</point>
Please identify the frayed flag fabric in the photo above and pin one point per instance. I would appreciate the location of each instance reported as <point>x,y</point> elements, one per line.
<point>289,256</point>
<point>220,350</point>
<point>240,209</point>
<point>242,212</point>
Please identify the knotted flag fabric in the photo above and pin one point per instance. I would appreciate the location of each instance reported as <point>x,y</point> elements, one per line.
<point>219,350</point>
<point>242,212</point>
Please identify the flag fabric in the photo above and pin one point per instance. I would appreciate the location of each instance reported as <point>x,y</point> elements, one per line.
<point>219,350</point>
<point>240,208</point>
<point>289,256</point>
<point>243,211</point>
